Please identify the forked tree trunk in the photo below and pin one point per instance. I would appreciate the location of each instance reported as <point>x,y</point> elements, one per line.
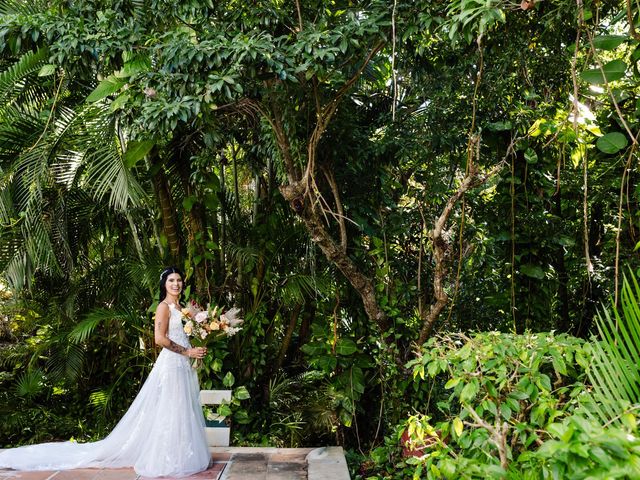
<point>337,256</point>
<point>441,249</point>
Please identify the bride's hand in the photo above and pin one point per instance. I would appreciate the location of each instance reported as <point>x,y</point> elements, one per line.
<point>197,352</point>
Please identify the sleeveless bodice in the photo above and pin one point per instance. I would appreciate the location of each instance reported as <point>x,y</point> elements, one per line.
<point>175,331</point>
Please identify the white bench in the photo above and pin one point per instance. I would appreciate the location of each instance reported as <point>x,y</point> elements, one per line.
<point>217,431</point>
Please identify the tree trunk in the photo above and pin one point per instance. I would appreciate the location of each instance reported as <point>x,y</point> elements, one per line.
<point>197,225</point>
<point>223,222</point>
<point>286,341</point>
<point>441,248</point>
<point>336,255</point>
<point>167,210</point>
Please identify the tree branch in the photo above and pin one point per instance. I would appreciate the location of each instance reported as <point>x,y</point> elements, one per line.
<point>441,247</point>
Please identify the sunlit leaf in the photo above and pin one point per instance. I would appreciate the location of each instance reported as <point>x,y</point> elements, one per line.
<point>610,72</point>
<point>612,142</point>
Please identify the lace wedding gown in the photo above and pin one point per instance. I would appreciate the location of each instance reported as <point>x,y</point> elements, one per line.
<point>162,433</point>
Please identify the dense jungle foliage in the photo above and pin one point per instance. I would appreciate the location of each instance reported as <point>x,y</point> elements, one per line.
<point>427,211</point>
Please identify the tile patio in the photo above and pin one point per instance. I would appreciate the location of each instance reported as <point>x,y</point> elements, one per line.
<point>230,463</point>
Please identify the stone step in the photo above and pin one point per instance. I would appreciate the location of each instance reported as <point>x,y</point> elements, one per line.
<point>260,466</point>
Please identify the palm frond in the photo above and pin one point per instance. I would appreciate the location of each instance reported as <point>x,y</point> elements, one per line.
<point>101,400</point>
<point>614,372</point>
<point>22,7</point>
<point>12,79</point>
<point>83,330</point>
<point>66,362</point>
<point>30,383</point>
<point>297,288</point>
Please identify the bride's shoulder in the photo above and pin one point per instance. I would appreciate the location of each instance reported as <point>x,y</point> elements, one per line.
<point>162,307</point>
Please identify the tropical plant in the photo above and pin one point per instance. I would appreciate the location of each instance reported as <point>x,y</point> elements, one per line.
<point>614,371</point>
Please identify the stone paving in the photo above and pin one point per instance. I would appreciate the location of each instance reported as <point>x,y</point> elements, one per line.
<point>229,463</point>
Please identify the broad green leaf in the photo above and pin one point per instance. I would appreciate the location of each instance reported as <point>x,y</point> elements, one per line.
<point>228,380</point>
<point>532,271</point>
<point>242,417</point>
<point>313,348</point>
<point>119,102</point>
<point>629,420</point>
<point>224,410</point>
<point>241,393</point>
<point>327,363</point>
<point>216,366</point>
<point>505,411</point>
<point>357,380</point>
<point>346,346</point>
<point>608,42</point>
<point>614,70</point>
<point>106,87</point>
<point>612,142</point>
<point>136,152</point>
<point>188,202</point>
<point>491,389</point>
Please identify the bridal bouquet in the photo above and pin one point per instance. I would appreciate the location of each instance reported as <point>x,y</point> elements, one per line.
<point>203,325</point>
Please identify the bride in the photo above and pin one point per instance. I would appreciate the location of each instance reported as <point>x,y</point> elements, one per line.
<point>162,433</point>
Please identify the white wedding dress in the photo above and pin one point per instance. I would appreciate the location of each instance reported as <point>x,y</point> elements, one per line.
<point>162,433</point>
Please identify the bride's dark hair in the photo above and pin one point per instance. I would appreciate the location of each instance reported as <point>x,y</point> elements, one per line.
<point>163,280</point>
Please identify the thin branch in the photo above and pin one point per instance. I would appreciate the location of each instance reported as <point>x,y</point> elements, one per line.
<point>299,14</point>
<point>618,230</point>
<point>632,27</point>
<point>393,61</point>
<point>329,175</point>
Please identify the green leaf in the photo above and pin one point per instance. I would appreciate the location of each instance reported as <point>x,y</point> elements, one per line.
<point>314,348</point>
<point>188,202</point>
<point>505,411</point>
<point>136,151</point>
<point>532,271</point>
<point>346,346</point>
<point>224,410</point>
<point>241,393</point>
<point>608,42</point>
<point>216,366</point>
<point>47,70</point>
<point>452,383</point>
<point>119,102</point>
<point>499,126</point>
<point>612,142</point>
<point>531,156</point>
<point>327,363</point>
<point>613,70</point>
<point>629,420</point>
<point>106,87</point>
<point>242,417</point>
<point>228,380</point>
<point>458,426</point>
<point>469,391</point>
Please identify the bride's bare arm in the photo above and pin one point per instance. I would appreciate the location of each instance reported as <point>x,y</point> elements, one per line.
<point>160,331</point>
